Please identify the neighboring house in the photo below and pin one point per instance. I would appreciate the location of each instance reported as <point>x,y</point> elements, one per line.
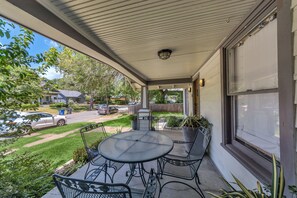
<point>49,97</point>
<point>66,95</point>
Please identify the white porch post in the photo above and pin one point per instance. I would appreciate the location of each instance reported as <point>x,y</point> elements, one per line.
<point>185,102</point>
<point>144,97</point>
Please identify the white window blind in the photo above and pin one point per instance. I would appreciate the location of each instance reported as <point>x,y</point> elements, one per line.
<point>254,63</point>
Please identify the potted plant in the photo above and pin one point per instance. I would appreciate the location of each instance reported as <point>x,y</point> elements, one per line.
<point>133,118</point>
<point>190,125</point>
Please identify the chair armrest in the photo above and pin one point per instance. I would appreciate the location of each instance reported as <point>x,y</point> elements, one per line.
<point>181,142</point>
<point>178,158</point>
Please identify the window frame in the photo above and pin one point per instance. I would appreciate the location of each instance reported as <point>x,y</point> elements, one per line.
<point>260,166</point>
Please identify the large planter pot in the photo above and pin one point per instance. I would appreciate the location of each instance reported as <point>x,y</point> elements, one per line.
<point>189,134</point>
<point>134,124</point>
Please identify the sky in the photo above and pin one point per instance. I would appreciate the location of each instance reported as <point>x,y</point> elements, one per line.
<point>41,44</point>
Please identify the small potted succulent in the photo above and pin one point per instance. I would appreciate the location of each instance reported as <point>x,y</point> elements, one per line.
<point>133,118</point>
<point>190,125</point>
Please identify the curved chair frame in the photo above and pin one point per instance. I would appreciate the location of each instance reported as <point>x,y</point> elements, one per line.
<point>70,187</point>
<point>192,160</point>
<point>94,158</point>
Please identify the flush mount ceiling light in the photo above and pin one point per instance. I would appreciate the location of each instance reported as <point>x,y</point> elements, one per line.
<point>164,54</point>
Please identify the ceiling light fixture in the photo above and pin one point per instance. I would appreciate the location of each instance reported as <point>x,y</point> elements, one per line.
<point>164,54</point>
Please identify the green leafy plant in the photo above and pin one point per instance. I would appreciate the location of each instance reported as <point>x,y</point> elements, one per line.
<point>173,121</point>
<point>195,121</point>
<point>25,176</point>
<point>276,188</point>
<point>58,105</point>
<point>133,117</point>
<point>80,155</point>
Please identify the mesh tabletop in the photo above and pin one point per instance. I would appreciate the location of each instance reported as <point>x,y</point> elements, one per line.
<point>135,146</point>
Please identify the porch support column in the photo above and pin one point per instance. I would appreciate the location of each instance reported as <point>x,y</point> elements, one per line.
<point>144,97</point>
<point>185,102</point>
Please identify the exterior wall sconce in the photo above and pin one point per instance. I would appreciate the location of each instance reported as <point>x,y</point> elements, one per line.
<point>189,89</point>
<point>202,82</point>
<point>164,54</point>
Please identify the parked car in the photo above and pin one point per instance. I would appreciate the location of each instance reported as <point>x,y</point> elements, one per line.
<point>27,121</point>
<point>103,110</point>
<point>100,105</point>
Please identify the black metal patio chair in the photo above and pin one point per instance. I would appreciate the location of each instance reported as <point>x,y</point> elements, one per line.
<point>70,187</point>
<point>186,166</point>
<point>97,163</point>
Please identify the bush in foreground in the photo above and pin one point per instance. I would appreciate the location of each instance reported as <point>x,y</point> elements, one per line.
<point>25,176</point>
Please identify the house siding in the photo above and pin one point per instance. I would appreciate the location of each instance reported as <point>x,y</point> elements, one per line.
<point>294,31</point>
<point>210,101</point>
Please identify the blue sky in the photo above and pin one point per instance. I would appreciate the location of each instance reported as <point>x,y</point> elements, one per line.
<point>41,44</point>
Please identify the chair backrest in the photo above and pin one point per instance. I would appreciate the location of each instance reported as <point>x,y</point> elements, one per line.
<point>201,142</point>
<point>90,137</point>
<point>70,188</point>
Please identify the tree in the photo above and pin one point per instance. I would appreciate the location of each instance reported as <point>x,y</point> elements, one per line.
<point>89,76</point>
<point>25,175</point>
<point>19,83</point>
<point>125,88</point>
<point>158,95</point>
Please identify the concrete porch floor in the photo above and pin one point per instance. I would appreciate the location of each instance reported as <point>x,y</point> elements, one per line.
<point>209,177</point>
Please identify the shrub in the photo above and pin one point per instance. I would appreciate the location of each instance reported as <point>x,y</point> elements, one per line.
<point>80,155</point>
<point>25,176</point>
<point>58,105</point>
<point>78,107</point>
<point>173,121</point>
<point>133,117</point>
<point>120,102</point>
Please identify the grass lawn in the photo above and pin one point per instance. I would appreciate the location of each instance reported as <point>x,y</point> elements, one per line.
<point>57,151</point>
<point>62,129</point>
<point>48,109</point>
<point>166,114</point>
<point>122,121</point>
<point>60,151</point>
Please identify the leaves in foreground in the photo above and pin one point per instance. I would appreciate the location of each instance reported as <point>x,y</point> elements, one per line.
<point>276,189</point>
<point>25,176</point>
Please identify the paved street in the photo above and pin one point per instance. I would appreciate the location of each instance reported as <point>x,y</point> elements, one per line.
<point>91,116</point>
<point>86,116</point>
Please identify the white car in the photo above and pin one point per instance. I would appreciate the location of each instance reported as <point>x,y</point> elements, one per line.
<point>33,120</point>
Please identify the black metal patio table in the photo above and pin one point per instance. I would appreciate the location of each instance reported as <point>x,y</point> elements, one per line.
<point>135,148</point>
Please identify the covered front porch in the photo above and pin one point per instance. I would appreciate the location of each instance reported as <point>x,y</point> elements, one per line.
<point>211,179</point>
<point>234,60</point>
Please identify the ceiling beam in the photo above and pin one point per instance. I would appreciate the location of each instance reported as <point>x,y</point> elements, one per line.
<point>170,81</point>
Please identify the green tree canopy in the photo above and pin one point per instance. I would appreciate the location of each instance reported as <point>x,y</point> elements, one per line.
<point>19,83</point>
<point>83,73</point>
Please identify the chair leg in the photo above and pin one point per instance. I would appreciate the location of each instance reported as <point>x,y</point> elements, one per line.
<point>197,181</point>
<point>87,171</point>
<point>159,168</point>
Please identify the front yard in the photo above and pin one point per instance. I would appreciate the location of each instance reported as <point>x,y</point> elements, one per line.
<point>52,148</point>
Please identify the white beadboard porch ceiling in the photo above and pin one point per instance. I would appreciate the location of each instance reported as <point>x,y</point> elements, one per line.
<point>134,31</point>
